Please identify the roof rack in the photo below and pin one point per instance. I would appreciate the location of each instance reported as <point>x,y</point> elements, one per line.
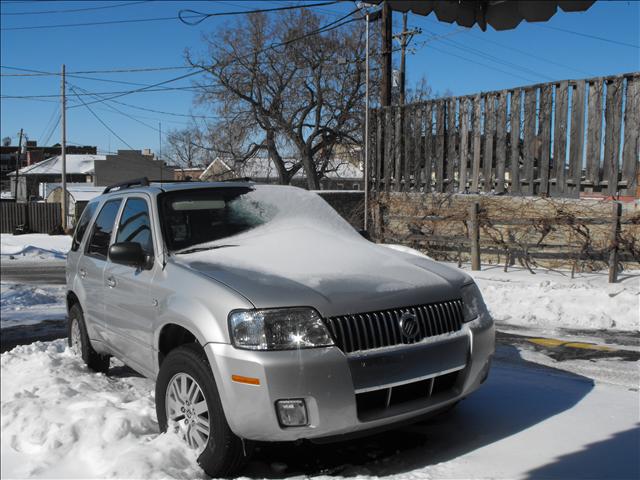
<point>138,182</point>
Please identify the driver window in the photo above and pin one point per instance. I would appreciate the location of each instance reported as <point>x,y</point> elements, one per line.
<point>135,225</point>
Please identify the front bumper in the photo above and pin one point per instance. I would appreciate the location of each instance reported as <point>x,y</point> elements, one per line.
<point>332,383</point>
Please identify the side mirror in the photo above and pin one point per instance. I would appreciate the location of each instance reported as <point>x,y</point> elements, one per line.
<point>129,253</point>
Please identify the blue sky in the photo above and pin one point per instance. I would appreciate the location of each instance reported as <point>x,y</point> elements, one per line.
<point>462,61</point>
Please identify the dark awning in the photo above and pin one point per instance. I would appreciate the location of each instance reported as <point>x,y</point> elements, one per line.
<point>500,14</point>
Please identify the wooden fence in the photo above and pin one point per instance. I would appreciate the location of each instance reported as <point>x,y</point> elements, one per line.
<point>34,217</point>
<point>552,139</point>
<point>564,233</point>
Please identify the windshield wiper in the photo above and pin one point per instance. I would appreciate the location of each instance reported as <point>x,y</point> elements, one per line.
<point>201,249</point>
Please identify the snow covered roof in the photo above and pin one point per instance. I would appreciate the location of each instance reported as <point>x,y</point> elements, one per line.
<point>260,168</point>
<point>76,164</point>
<point>85,193</point>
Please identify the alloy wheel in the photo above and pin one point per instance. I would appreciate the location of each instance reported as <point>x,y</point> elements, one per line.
<point>187,409</point>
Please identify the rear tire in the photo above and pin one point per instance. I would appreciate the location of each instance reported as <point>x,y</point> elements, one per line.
<point>80,343</point>
<point>224,453</point>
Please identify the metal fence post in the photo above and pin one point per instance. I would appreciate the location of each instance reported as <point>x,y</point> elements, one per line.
<point>613,242</point>
<point>474,235</point>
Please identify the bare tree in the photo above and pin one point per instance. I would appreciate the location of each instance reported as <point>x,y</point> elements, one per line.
<point>285,86</point>
<point>184,147</point>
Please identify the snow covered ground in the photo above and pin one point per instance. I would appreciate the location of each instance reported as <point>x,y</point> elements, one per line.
<point>29,304</point>
<point>61,421</point>
<point>34,247</point>
<point>550,300</point>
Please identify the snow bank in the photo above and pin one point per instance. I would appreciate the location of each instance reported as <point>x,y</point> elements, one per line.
<point>29,304</point>
<point>550,300</point>
<point>59,420</point>
<point>34,247</point>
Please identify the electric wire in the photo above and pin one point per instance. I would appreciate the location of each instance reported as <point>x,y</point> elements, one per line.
<point>101,121</point>
<point>72,10</point>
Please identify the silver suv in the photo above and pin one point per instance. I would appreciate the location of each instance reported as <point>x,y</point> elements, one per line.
<point>262,315</point>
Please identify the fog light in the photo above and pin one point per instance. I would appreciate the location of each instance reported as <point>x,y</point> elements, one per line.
<point>292,413</point>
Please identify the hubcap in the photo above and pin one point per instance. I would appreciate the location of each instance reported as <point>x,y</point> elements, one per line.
<point>76,340</point>
<point>187,409</point>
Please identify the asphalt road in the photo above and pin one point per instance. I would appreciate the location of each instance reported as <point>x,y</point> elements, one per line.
<point>34,273</point>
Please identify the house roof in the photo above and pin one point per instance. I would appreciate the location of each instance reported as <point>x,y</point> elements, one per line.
<point>262,168</point>
<point>82,193</point>
<point>76,164</point>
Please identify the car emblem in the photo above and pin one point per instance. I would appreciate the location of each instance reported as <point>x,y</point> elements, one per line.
<point>409,326</point>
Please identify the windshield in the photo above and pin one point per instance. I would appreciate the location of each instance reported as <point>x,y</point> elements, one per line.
<point>201,218</point>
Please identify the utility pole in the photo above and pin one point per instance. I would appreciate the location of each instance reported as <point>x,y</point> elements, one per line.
<point>405,37</point>
<point>63,152</point>
<point>403,48</point>
<point>385,85</point>
<point>18,165</point>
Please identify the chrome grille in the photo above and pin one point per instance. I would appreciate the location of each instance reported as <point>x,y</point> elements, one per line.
<point>366,331</point>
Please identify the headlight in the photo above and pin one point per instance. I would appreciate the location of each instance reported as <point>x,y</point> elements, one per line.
<point>472,302</point>
<point>278,329</point>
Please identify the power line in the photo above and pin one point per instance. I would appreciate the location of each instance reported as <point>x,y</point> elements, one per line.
<point>528,54</point>
<point>587,35</point>
<point>39,73</point>
<point>100,120</point>
<point>133,20</point>
<point>482,64</point>
<point>493,58</point>
<point>204,16</point>
<point>71,10</point>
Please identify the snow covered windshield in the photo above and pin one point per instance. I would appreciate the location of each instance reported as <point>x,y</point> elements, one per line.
<point>201,217</point>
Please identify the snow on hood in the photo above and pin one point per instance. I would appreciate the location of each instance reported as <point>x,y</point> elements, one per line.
<point>309,262</point>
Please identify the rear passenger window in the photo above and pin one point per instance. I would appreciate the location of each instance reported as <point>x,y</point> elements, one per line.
<point>82,225</point>
<point>101,233</point>
<point>135,225</point>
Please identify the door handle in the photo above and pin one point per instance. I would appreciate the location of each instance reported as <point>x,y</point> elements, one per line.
<point>82,272</point>
<point>111,282</point>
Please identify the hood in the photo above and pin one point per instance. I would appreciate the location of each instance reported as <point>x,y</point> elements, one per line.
<point>301,264</point>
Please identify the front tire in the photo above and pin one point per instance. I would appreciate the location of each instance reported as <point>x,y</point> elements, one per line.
<point>187,396</point>
<point>80,344</point>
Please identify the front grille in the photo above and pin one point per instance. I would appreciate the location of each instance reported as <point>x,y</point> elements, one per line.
<point>365,331</point>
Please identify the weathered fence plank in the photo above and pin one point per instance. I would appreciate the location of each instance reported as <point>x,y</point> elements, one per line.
<point>613,114</point>
<point>451,145</point>
<point>409,113</point>
<point>477,141</point>
<point>501,141</point>
<point>546,104</point>
<point>440,119</point>
<point>429,147</point>
<point>489,132</point>
<point>418,159</point>
<point>379,163</point>
<point>560,138</point>
<point>529,142</point>
<point>594,132</point>
<point>631,149</point>
<point>388,148</point>
<point>576,138</point>
<point>464,143</point>
<point>397,151</point>
<point>514,154</point>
